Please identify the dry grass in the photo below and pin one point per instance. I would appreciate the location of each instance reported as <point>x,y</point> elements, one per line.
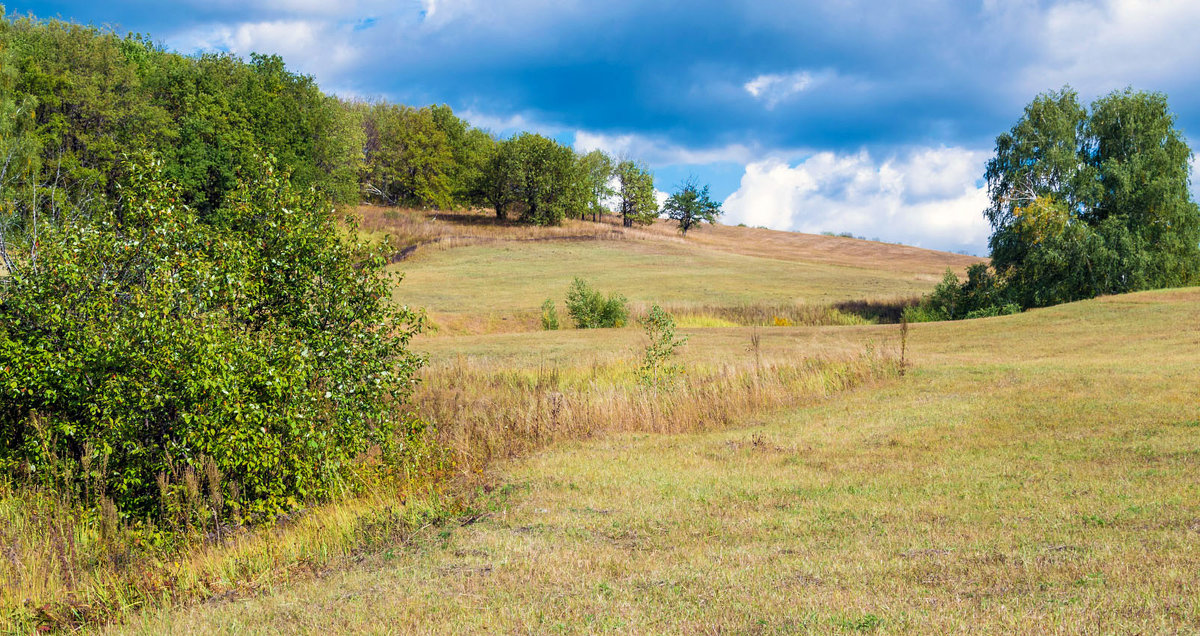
<point>487,412</point>
<point>422,230</point>
<point>65,568</point>
<point>491,283</point>
<point>439,229</point>
<point>1034,474</point>
<point>453,260</point>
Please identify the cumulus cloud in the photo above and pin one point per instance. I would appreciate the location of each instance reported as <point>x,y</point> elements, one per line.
<point>773,88</point>
<point>1098,47</point>
<point>316,47</point>
<point>930,197</point>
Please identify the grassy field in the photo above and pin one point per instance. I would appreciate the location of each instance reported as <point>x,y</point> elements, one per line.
<point>1037,473</point>
<point>496,276</point>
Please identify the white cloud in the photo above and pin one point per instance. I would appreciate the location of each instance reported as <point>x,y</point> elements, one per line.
<point>314,47</point>
<point>507,124</point>
<point>1099,47</point>
<point>774,88</point>
<point>659,152</point>
<point>931,197</point>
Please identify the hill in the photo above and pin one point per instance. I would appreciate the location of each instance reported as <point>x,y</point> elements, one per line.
<point>452,261</point>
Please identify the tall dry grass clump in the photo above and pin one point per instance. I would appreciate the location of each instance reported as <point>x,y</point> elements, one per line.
<point>484,413</point>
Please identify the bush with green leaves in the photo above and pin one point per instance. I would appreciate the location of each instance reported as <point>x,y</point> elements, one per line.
<point>549,316</point>
<point>983,294</point>
<point>255,350</point>
<point>590,309</point>
<point>657,368</point>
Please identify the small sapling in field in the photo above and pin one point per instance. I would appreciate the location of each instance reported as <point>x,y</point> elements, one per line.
<point>656,369</point>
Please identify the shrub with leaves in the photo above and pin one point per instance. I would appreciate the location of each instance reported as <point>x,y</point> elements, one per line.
<point>253,354</point>
<point>590,309</point>
<point>656,369</point>
<point>549,316</point>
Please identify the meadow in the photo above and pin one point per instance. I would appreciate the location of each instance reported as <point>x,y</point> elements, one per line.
<point>1026,473</point>
<point>1030,473</point>
<point>721,275</point>
<point>1035,472</point>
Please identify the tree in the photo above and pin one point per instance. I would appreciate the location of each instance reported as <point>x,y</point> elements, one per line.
<point>408,157</point>
<point>636,191</point>
<point>19,155</point>
<point>596,168</point>
<point>1086,203</point>
<point>548,181</point>
<point>690,206</point>
<point>469,148</point>
<point>496,184</point>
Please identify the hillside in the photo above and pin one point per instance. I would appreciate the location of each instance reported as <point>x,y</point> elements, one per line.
<point>453,260</point>
<point>1032,473</point>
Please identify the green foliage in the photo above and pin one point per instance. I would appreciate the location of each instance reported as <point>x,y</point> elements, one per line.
<point>549,316</point>
<point>496,182</point>
<point>596,169</point>
<point>208,117</point>
<point>690,206</point>
<point>636,191</point>
<point>547,180</point>
<point>408,158</point>
<point>150,349</point>
<point>656,369</point>
<point>1088,203</point>
<point>590,309</point>
<point>981,295</point>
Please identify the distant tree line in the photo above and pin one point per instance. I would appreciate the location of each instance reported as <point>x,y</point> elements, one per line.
<point>81,97</point>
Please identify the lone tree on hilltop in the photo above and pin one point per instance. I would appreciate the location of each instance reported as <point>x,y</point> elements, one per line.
<point>690,206</point>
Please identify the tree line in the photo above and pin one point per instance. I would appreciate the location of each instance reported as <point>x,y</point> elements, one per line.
<point>78,98</point>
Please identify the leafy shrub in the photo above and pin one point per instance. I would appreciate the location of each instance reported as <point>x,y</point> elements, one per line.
<point>922,312</point>
<point>253,354</point>
<point>982,295</point>
<point>589,309</point>
<point>656,368</point>
<point>549,316</point>
<point>994,310</point>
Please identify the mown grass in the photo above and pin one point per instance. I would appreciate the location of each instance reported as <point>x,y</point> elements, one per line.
<point>1037,473</point>
<point>437,230</point>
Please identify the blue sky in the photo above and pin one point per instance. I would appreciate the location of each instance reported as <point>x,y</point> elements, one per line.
<point>839,115</point>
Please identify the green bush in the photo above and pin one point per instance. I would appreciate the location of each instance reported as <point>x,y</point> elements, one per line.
<point>657,369</point>
<point>922,312</point>
<point>994,310</point>
<point>589,309</point>
<point>252,357</point>
<point>549,316</point>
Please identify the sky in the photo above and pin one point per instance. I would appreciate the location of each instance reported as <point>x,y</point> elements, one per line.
<point>869,117</point>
